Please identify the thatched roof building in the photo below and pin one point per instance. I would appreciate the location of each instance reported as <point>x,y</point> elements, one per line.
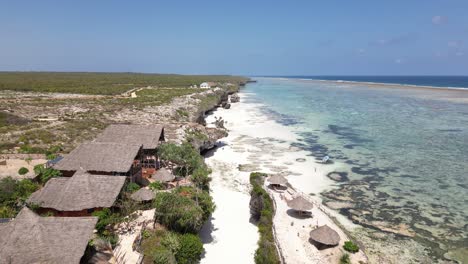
<point>100,157</point>
<point>30,238</point>
<point>325,235</point>
<point>300,203</point>
<point>143,195</point>
<point>79,192</point>
<point>147,135</point>
<point>278,180</point>
<point>163,175</point>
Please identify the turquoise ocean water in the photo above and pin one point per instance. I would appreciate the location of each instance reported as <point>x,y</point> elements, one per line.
<point>404,153</point>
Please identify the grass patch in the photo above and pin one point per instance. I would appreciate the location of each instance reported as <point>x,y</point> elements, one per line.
<point>351,247</point>
<point>101,83</point>
<point>7,119</point>
<point>266,251</point>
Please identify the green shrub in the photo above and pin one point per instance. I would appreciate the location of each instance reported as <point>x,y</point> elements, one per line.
<point>191,248</point>
<point>200,177</point>
<point>351,247</point>
<point>266,251</point>
<point>46,174</point>
<point>345,259</point>
<point>178,213</point>
<point>155,186</point>
<point>201,198</point>
<point>105,218</point>
<point>184,156</point>
<point>163,256</point>
<point>7,212</point>
<point>171,241</point>
<point>132,187</point>
<point>13,195</point>
<point>23,171</point>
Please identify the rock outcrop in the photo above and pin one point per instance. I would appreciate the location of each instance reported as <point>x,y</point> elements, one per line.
<point>235,98</point>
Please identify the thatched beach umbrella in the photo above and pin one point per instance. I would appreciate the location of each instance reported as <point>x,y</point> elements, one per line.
<point>278,180</point>
<point>163,175</point>
<point>325,235</point>
<point>143,195</point>
<point>300,204</point>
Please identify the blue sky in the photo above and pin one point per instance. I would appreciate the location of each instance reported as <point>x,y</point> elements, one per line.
<point>332,37</point>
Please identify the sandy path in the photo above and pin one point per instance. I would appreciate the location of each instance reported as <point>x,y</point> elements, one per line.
<point>124,250</point>
<point>229,237</point>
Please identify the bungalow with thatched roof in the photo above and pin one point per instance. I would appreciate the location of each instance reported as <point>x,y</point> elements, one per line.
<point>79,195</point>
<point>150,136</point>
<point>300,204</point>
<point>103,159</point>
<point>278,181</point>
<point>30,238</point>
<point>324,237</point>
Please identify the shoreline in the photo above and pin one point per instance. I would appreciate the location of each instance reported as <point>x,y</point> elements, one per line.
<point>257,143</point>
<point>375,84</point>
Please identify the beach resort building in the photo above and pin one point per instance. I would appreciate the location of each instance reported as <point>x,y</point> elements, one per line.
<point>149,136</point>
<point>208,85</point>
<point>79,195</point>
<point>205,85</point>
<point>102,158</point>
<point>30,238</point>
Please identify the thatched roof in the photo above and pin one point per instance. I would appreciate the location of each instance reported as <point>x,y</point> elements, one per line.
<point>299,203</point>
<point>30,238</point>
<point>163,175</point>
<point>97,156</point>
<point>146,135</point>
<point>278,180</point>
<point>325,235</point>
<point>143,195</point>
<point>79,192</point>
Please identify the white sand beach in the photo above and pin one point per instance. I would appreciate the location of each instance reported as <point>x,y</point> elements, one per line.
<point>256,143</point>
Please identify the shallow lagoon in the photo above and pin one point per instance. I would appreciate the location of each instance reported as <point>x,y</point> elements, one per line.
<point>405,152</point>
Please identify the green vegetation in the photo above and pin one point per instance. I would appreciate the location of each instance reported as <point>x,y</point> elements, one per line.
<point>351,247</point>
<point>182,211</point>
<point>165,247</point>
<point>152,97</point>
<point>13,195</point>
<point>156,186</point>
<point>201,198</point>
<point>23,171</point>
<point>132,187</point>
<point>7,119</point>
<point>190,249</point>
<point>266,252</point>
<point>178,213</point>
<point>101,83</point>
<point>345,259</point>
<point>44,174</point>
<point>185,160</point>
<point>37,141</point>
<point>106,219</point>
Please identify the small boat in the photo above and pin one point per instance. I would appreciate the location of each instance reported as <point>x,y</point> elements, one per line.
<point>325,159</point>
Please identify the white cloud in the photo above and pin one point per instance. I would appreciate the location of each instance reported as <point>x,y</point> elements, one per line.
<point>439,20</point>
<point>399,61</point>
